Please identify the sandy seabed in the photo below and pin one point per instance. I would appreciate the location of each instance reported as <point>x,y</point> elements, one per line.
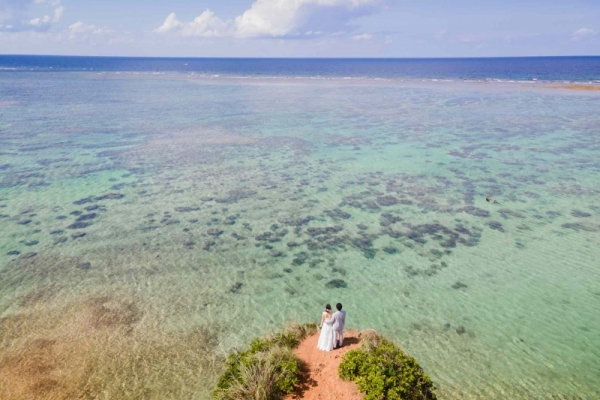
<point>150,226</point>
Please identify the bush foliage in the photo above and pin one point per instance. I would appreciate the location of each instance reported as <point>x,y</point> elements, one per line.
<point>382,371</point>
<point>268,370</point>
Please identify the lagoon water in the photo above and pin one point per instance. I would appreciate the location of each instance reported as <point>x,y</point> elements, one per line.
<point>169,216</point>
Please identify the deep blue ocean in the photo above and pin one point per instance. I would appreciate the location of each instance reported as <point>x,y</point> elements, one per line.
<point>529,68</point>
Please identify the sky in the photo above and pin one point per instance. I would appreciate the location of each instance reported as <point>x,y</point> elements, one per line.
<point>301,28</point>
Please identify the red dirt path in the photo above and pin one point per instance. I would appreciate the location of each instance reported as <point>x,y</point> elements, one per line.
<point>320,379</point>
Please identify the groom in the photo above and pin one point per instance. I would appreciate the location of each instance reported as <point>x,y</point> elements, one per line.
<point>339,319</point>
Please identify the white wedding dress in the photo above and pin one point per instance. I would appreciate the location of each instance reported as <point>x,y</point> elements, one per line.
<point>327,336</point>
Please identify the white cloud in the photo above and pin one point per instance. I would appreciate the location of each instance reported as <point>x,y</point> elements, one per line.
<point>285,17</point>
<point>276,18</point>
<point>48,20</point>
<point>58,13</point>
<point>582,33</point>
<point>53,3</point>
<point>363,36</point>
<point>170,24</point>
<point>204,25</point>
<point>14,14</point>
<point>81,29</point>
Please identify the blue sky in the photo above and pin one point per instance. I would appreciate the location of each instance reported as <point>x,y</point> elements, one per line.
<point>301,28</point>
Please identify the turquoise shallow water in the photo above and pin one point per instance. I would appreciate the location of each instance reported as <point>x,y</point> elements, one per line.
<point>238,205</point>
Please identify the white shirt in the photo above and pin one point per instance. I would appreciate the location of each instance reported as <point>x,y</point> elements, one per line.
<point>339,319</point>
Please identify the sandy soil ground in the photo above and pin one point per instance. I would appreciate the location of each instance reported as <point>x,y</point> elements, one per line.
<point>577,87</point>
<point>320,379</point>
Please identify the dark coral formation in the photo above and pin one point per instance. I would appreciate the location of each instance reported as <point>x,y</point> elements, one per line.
<point>297,221</point>
<point>237,236</point>
<point>505,212</point>
<point>110,196</point>
<point>230,220</point>
<point>215,232</point>
<point>387,201</point>
<point>336,284</point>
<point>27,256</point>
<point>300,258</point>
<point>580,214</point>
<point>388,219</point>
<point>338,214</point>
<point>459,285</point>
<point>330,230</point>
<point>86,217</point>
<point>433,269</point>
<point>83,201</point>
<point>84,265</point>
<point>186,209</point>
<point>208,244</point>
<point>576,226</point>
<point>477,212</point>
<point>495,225</point>
<point>362,242</point>
<point>263,237</point>
<point>233,196</point>
<point>79,225</point>
<point>445,236</point>
<point>236,287</point>
<point>390,249</point>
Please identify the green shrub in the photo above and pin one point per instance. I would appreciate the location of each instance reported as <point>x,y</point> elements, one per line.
<point>268,370</point>
<point>382,371</point>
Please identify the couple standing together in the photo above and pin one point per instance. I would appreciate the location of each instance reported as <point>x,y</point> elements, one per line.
<point>332,328</point>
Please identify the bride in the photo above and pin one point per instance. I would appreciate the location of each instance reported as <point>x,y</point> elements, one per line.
<point>327,336</point>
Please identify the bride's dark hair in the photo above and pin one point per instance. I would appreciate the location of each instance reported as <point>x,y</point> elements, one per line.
<point>328,307</point>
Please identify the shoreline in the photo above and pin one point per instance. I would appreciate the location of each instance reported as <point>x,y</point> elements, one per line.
<point>576,87</point>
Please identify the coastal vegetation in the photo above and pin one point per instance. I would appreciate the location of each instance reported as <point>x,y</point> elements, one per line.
<point>383,371</point>
<point>267,370</point>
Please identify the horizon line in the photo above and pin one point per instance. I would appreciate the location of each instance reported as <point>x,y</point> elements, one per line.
<point>297,58</point>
